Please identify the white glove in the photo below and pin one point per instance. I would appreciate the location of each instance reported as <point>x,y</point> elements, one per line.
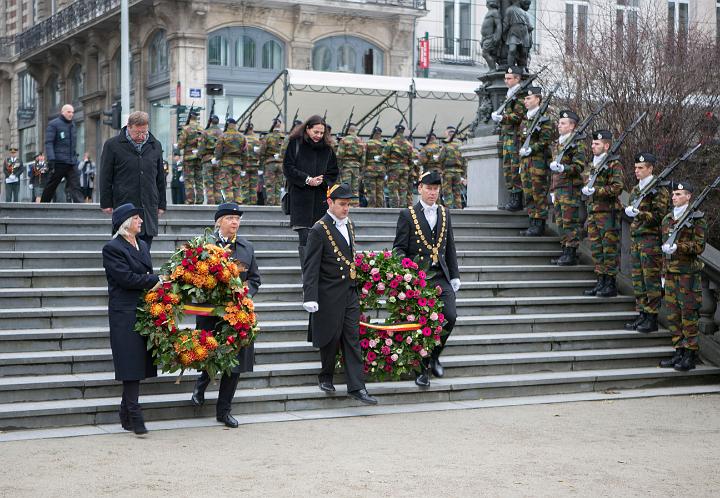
<point>496,117</point>
<point>311,306</point>
<point>455,284</point>
<point>276,156</point>
<point>588,190</point>
<point>557,167</point>
<point>260,172</point>
<point>669,249</point>
<point>214,161</point>
<point>256,149</point>
<point>243,173</point>
<point>415,161</point>
<point>525,151</point>
<point>552,197</point>
<point>377,158</point>
<point>194,151</point>
<point>631,211</point>
<point>436,157</point>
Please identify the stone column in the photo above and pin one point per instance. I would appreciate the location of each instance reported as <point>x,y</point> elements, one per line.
<point>188,64</point>
<point>486,186</point>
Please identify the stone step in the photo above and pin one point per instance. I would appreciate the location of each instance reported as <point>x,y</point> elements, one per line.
<point>102,410</point>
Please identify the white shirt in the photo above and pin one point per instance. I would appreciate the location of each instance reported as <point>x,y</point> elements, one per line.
<point>532,112</point>
<point>430,213</point>
<point>564,138</point>
<point>513,90</point>
<point>645,181</point>
<point>678,211</point>
<point>598,159</point>
<point>341,225</point>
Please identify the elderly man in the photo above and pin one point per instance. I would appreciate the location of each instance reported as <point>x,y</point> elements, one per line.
<point>60,140</point>
<point>131,171</point>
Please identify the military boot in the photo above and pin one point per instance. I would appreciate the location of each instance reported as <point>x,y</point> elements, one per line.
<point>609,289</point>
<point>687,362</point>
<point>649,324</point>
<point>569,257</point>
<point>537,229</point>
<point>670,362</point>
<point>515,203</point>
<point>634,324</point>
<point>601,280</point>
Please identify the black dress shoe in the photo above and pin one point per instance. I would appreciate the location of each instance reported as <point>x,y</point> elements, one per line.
<point>198,395</point>
<point>422,378</point>
<point>228,420</point>
<point>437,369</point>
<point>671,362</point>
<point>363,396</point>
<point>327,387</point>
<point>138,423</point>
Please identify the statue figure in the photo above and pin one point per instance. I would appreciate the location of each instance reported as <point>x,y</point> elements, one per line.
<point>517,33</point>
<point>491,31</point>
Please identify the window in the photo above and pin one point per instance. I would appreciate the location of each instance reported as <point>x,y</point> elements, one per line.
<point>576,24</point>
<point>245,52</point>
<point>158,59</point>
<point>272,55</point>
<point>28,91</point>
<point>347,54</point>
<point>626,21</point>
<point>117,73</point>
<point>53,95</point>
<point>678,18</point>
<point>347,59</point>
<point>322,58</point>
<point>457,30</point>
<point>218,51</point>
<point>77,84</point>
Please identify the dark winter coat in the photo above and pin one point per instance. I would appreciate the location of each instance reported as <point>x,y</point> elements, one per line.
<point>126,176</point>
<point>60,141</point>
<point>129,273</point>
<point>305,158</point>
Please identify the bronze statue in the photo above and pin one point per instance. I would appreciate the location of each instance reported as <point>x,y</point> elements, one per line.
<point>517,33</point>
<point>491,31</point>
<point>506,34</point>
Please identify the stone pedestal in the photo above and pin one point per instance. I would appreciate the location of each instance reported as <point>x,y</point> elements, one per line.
<point>486,186</point>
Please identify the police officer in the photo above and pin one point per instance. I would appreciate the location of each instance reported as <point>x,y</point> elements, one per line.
<point>373,173</point>
<point>397,155</point>
<point>229,152</point>
<point>206,150</point>
<point>330,294</point>
<point>350,155</point>
<point>13,169</point>
<point>683,279</point>
<point>604,210</point>
<point>645,251</point>
<point>271,155</point>
<point>189,145</point>
<point>252,164</point>
<point>454,166</point>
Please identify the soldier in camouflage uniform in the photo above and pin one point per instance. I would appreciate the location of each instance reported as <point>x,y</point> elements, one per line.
<point>509,121</point>
<point>683,279</point>
<point>645,251</point>
<point>604,210</point>
<point>206,149</point>
<point>413,173</point>
<point>429,155</point>
<point>566,185</point>
<point>230,153</point>
<point>454,166</point>
<point>374,170</point>
<point>271,163</point>
<point>189,144</point>
<point>249,182</point>
<point>350,156</point>
<point>534,169</point>
<point>397,155</point>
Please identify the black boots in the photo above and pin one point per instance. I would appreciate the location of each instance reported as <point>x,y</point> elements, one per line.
<point>634,324</point>
<point>649,324</point>
<point>569,257</point>
<point>601,280</point>
<point>536,228</point>
<point>137,422</point>
<point>125,416</point>
<point>610,287</point>
<point>198,395</point>
<point>687,362</point>
<point>670,362</point>
<point>515,203</point>
<point>422,378</point>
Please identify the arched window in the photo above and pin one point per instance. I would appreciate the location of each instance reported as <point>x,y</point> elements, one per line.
<point>218,51</point>
<point>158,56</point>
<point>245,51</point>
<point>77,84</point>
<point>322,58</point>
<point>272,55</point>
<point>348,54</point>
<point>346,58</point>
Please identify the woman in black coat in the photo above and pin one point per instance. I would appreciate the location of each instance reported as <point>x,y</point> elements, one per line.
<point>310,167</point>
<point>128,268</point>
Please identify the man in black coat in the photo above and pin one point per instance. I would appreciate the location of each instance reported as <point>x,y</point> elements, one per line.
<point>131,171</point>
<point>331,294</point>
<point>424,234</point>
<point>60,140</point>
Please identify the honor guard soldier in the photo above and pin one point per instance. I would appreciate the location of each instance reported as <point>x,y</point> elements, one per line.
<point>206,149</point>
<point>604,215</point>
<point>350,155</point>
<point>509,121</point>
<point>271,163</point>
<point>683,279</point>
<point>425,235</point>
<point>566,187</point>
<point>13,169</point>
<point>397,155</point>
<point>645,252</point>
<point>331,296</point>
<point>534,170</point>
<point>229,153</point>
<point>429,154</point>
<point>374,172</point>
<point>189,144</point>
<point>252,165</point>
<point>454,167</point>
<point>413,172</point>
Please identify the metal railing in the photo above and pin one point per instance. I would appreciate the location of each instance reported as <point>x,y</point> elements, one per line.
<point>6,46</point>
<point>412,4</point>
<point>461,51</point>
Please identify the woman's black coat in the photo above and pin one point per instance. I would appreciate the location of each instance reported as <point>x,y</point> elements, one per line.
<point>129,273</point>
<point>305,158</point>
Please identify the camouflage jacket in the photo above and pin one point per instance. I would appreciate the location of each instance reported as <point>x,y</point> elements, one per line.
<point>208,141</point>
<point>608,187</point>
<point>351,149</point>
<point>190,140</point>
<point>541,142</point>
<point>512,117</point>
<point>397,150</point>
<point>272,147</point>
<point>690,245</point>
<point>252,151</point>
<point>452,159</point>
<point>231,146</point>
<point>653,209</point>
<point>430,156</point>
<point>373,149</point>
<point>574,161</point>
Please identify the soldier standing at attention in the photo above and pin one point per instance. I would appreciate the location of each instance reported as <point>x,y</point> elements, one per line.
<point>430,154</point>
<point>373,174</point>
<point>206,149</point>
<point>397,154</point>
<point>454,166</point>
<point>350,154</point>
<point>229,152</point>
<point>189,145</point>
<point>271,162</point>
<point>645,251</point>
<point>252,164</point>
<point>567,181</point>
<point>534,169</point>
<point>604,210</point>
<point>509,121</point>
<point>12,168</point>
<point>683,279</point>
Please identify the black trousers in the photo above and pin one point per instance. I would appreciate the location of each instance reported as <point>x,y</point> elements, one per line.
<point>449,310</point>
<point>71,174</point>
<point>347,339</point>
<point>130,395</point>
<point>228,386</point>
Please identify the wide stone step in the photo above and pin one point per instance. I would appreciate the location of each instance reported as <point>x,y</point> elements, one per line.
<point>102,410</point>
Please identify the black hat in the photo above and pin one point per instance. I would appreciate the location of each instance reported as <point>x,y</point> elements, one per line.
<point>450,127</point>
<point>340,191</point>
<point>602,135</point>
<point>122,213</point>
<point>400,127</point>
<point>534,90</point>
<point>231,121</point>
<point>681,186</point>
<point>377,129</point>
<point>646,157</point>
<point>431,134</point>
<point>430,178</point>
<point>570,115</point>
<point>228,208</point>
<point>214,119</point>
<point>514,70</point>
<point>297,122</point>
<point>193,114</point>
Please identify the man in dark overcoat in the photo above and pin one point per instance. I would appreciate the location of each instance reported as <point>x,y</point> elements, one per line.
<point>330,294</point>
<point>425,235</point>
<point>131,171</point>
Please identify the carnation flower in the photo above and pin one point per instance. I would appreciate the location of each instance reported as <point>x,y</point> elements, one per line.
<point>376,277</point>
<point>372,262</point>
<point>427,331</point>
<point>364,291</point>
<point>433,316</point>
<point>431,303</point>
<point>371,356</point>
<point>374,271</point>
<point>381,287</point>
<point>394,284</point>
<point>401,296</point>
<point>422,320</point>
<point>364,343</point>
<point>372,343</point>
<point>411,318</point>
<point>385,350</point>
<point>408,277</point>
<point>394,357</point>
<point>423,353</point>
<point>422,301</point>
<point>387,254</point>
<point>388,342</point>
<point>408,340</point>
<point>422,274</point>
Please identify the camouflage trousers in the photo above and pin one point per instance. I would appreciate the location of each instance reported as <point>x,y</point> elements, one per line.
<point>249,183</point>
<point>397,183</point>
<point>375,189</point>
<point>194,185</point>
<point>452,188</point>
<point>646,258</point>
<point>234,170</point>
<point>604,236</point>
<point>567,216</point>
<point>350,174</point>
<point>215,182</point>
<point>683,297</point>
<point>511,163</point>
<point>536,187</point>
<point>274,181</point>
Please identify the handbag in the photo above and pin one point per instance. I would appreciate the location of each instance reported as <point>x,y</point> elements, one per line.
<point>285,198</point>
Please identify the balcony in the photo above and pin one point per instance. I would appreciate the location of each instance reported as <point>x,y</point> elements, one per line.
<point>456,51</point>
<point>6,48</point>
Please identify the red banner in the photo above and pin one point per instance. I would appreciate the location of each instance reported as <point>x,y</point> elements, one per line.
<point>424,56</point>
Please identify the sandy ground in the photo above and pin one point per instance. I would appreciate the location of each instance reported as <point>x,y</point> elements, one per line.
<point>643,447</point>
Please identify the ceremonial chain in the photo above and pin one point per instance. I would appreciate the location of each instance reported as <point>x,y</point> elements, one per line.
<point>338,252</point>
<point>434,250</point>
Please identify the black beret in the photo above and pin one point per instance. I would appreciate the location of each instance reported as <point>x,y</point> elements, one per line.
<point>602,135</point>
<point>534,90</point>
<point>645,157</point>
<point>567,113</point>
<point>377,129</point>
<point>514,70</point>
<point>400,127</point>
<point>231,121</point>
<point>681,186</point>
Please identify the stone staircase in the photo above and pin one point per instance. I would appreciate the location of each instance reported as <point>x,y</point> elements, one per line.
<point>524,328</point>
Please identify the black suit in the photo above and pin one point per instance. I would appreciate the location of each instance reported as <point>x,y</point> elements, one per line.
<point>408,243</point>
<point>326,280</point>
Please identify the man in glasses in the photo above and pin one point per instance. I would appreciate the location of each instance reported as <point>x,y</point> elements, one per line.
<point>131,171</point>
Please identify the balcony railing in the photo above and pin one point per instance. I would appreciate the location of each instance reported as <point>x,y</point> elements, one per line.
<point>413,4</point>
<point>461,51</point>
<point>6,46</point>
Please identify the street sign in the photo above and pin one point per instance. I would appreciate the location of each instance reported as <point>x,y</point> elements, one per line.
<point>195,93</point>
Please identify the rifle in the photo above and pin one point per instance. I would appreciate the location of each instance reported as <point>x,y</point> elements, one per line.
<point>432,129</point>
<point>455,131</point>
<point>348,122</point>
<point>657,180</point>
<point>412,132</point>
<point>692,212</point>
<point>187,121</point>
<point>325,117</point>
<point>376,125</point>
<point>539,117</point>
<point>524,85</point>
<point>227,116</point>
<point>249,124</point>
<point>579,132</point>
<point>297,111</point>
<point>212,111</point>
<point>612,153</point>
<point>396,127</point>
